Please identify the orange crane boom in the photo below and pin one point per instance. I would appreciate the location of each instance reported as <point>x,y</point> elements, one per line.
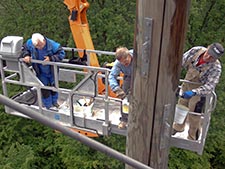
<point>81,34</point>
<point>80,28</point>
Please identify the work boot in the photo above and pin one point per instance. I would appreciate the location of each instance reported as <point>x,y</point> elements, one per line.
<point>178,127</point>
<point>56,105</point>
<point>193,135</point>
<point>53,108</point>
<point>122,125</point>
<point>194,127</point>
<point>174,131</point>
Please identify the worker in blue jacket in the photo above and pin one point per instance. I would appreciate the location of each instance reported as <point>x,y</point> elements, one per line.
<point>122,64</point>
<point>45,49</point>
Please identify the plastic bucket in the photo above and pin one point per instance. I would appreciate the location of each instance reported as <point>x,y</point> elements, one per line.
<point>180,113</point>
<point>125,106</point>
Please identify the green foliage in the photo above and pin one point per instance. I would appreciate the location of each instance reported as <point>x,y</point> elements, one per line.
<point>23,18</point>
<point>18,156</point>
<point>206,23</point>
<point>112,23</point>
<point>187,160</point>
<point>27,144</point>
<point>77,155</point>
<point>215,145</point>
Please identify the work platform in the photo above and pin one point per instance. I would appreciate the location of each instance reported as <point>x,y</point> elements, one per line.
<point>76,84</point>
<point>86,102</point>
<point>88,119</point>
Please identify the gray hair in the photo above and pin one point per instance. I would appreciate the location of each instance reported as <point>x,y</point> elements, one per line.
<point>36,37</point>
<point>121,52</point>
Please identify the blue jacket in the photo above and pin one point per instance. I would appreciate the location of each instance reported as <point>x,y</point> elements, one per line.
<point>115,71</point>
<point>51,49</point>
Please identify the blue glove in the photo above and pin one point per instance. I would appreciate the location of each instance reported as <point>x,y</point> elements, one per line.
<point>188,94</point>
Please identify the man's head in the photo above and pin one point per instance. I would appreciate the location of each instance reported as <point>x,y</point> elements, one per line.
<point>123,55</point>
<point>214,52</point>
<point>38,40</point>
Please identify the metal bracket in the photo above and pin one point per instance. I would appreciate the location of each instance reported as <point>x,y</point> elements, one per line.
<point>146,46</point>
<point>165,128</point>
<point>106,129</point>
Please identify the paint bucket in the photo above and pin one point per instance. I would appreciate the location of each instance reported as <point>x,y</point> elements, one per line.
<point>180,114</point>
<point>84,106</point>
<point>125,106</point>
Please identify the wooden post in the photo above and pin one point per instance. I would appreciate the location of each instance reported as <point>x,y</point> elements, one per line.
<point>159,41</point>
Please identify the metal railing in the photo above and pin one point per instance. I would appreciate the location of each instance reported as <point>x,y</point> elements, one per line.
<point>205,114</point>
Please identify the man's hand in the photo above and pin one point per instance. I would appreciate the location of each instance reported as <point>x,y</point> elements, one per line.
<point>27,59</point>
<point>188,94</point>
<point>47,58</point>
<point>120,93</point>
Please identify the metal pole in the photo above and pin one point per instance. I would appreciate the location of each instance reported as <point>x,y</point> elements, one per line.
<point>85,140</point>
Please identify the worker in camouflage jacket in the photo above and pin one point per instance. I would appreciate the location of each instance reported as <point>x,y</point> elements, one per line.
<point>203,70</point>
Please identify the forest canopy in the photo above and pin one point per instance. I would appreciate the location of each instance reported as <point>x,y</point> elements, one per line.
<point>27,144</point>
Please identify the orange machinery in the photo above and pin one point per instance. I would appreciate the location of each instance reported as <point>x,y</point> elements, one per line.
<point>81,34</point>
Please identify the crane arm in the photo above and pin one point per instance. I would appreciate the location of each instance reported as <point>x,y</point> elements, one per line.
<point>80,28</point>
<point>81,34</point>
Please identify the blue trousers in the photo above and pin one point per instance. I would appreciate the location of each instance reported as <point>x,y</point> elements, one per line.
<point>49,97</point>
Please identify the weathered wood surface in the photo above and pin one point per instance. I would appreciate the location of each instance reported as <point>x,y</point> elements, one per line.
<point>152,92</point>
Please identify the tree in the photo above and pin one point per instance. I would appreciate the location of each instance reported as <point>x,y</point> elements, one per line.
<point>22,18</point>
<point>111,24</point>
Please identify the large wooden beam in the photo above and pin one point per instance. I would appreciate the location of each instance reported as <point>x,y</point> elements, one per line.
<point>159,41</point>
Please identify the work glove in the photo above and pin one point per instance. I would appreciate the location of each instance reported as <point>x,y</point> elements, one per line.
<point>188,94</point>
<point>120,93</point>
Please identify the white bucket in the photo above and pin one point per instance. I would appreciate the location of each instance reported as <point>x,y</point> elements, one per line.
<point>180,113</point>
<point>125,106</point>
<point>81,108</point>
